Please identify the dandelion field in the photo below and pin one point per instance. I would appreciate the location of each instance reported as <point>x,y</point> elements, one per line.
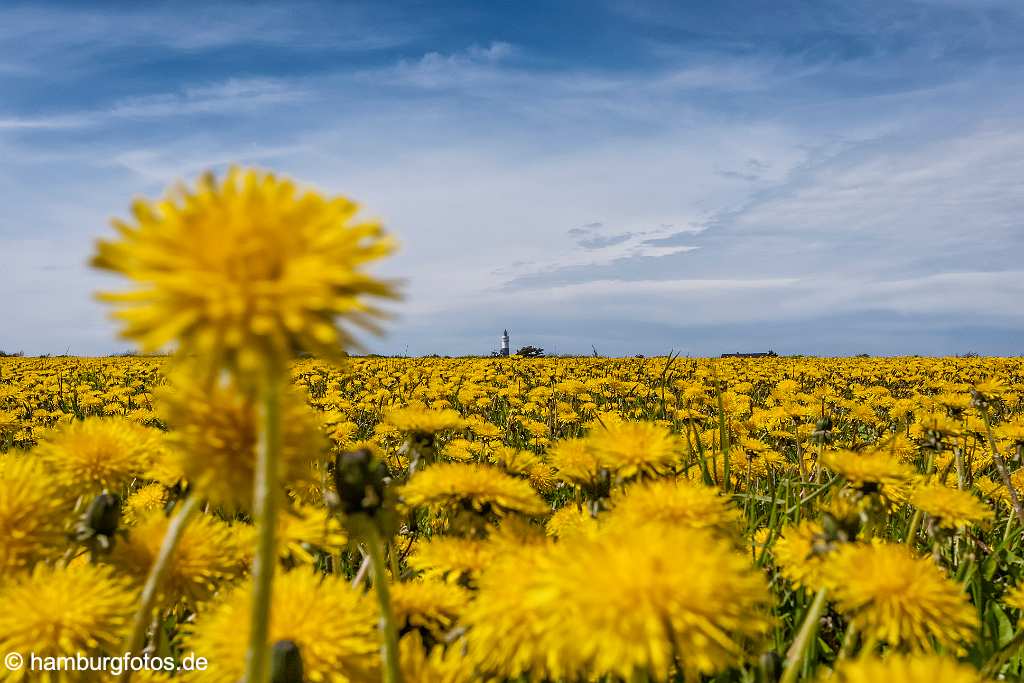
<point>561,524</point>
<point>356,518</point>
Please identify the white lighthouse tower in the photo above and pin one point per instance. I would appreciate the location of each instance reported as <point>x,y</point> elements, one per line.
<point>504,343</point>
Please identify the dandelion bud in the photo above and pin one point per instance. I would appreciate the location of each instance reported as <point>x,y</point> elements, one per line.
<point>286,665</point>
<point>361,480</point>
<point>822,433</point>
<point>103,515</point>
<point>979,400</point>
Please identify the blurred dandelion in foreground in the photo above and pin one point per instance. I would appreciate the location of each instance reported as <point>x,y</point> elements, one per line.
<point>903,669</point>
<point>241,275</point>
<point>206,557</point>
<point>213,439</point>
<point>620,604</point>
<point>32,515</point>
<point>332,625</point>
<point>799,555</point>
<point>52,612</point>
<point>245,269</point>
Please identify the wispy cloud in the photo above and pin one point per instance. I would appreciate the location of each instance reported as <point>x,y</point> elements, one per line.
<point>38,36</point>
<point>851,170</point>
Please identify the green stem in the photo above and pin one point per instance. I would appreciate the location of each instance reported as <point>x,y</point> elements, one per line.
<point>1003,471</point>
<point>265,503</point>
<point>960,478</point>
<point>803,639</point>
<point>849,640</point>
<point>143,615</point>
<point>915,521</point>
<point>723,438</point>
<point>389,632</point>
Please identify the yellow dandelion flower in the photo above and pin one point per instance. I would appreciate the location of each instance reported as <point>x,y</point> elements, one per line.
<point>10,423</point>
<point>951,508</point>
<point>451,558</point>
<point>97,453</point>
<point>1015,597</point>
<point>422,421</point>
<point>867,469</point>
<point>760,538</point>
<point>938,424</point>
<point>632,448</point>
<point>32,514</point>
<point>676,503</point>
<point>432,607</point>
<point>166,465</point>
<point>1011,432</point>
<point>988,488</point>
<point>147,499</point>
<point>898,668</point>
<point>54,612</point>
<point>244,269</point>
<point>618,604</point>
<point>421,664</point>
<point>527,464</point>
<point>301,529</point>
<point>207,555</point>
<point>575,461</point>
<point>461,450</point>
<point>992,387</point>
<point>570,521</point>
<point>333,626</point>
<point>214,437</point>
<point>448,486</point>
<point>872,472</point>
<point>798,556</point>
<point>907,601</point>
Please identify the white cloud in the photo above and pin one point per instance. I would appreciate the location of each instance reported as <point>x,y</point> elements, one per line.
<point>473,67</point>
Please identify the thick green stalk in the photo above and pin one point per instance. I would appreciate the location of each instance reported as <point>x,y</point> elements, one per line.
<point>795,655</point>
<point>389,632</point>
<point>143,615</point>
<point>265,502</point>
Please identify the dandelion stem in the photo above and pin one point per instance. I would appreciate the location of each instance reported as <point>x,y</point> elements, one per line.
<point>361,573</point>
<point>723,438</point>
<point>808,629</point>
<point>1001,466</point>
<point>849,639</point>
<point>143,615</point>
<point>265,501</point>
<point>389,632</point>
<point>912,529</point>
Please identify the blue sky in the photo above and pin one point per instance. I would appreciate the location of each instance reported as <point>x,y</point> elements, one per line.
<point>813,177</point>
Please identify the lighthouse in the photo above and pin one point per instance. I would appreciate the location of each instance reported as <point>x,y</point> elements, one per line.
<point>504,343</point>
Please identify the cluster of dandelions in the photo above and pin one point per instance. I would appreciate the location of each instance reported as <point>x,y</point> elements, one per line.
<point>452,520</point>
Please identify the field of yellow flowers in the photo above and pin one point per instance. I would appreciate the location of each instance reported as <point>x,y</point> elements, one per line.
<point>292,518</point>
